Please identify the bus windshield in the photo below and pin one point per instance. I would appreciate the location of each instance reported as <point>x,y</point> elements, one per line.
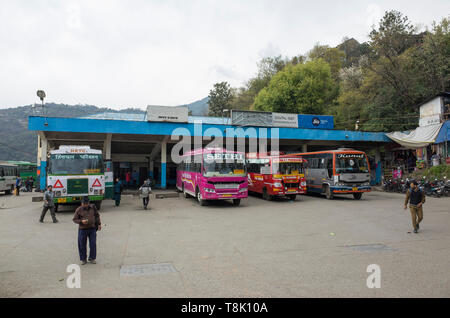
<point>351,163</point>
<point>223,164</point>
<point>62,164</point>
<point>289,168</point>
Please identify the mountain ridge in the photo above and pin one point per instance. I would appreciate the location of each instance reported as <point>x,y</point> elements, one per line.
<point>19,143</point>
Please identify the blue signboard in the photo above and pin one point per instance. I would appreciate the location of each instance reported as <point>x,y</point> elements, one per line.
<point>315,121</point>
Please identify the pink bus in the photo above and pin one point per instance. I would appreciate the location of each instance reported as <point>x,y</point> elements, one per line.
<point>213,174</point>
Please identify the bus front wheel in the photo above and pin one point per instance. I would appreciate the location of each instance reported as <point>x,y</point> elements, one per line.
<point>292,197</point>
<point>328,193</point>
<point>357,196</point>
<point>266,195</point>
<point>200,199</point>
<point>236,202</point>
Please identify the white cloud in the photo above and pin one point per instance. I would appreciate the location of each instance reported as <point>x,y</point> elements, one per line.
<point>122,53</point>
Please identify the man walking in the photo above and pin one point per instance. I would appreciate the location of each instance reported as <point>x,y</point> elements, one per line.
<point>145,193</point>
<point>117,191</point>
<point>88,219</point>
<point>48,205</point>
<point>18,185</point>
<point>416,199</point>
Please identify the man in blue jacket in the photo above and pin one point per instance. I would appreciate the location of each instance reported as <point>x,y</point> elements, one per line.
<point>18,185</point>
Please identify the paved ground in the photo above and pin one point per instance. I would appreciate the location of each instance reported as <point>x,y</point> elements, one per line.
<point>261,249</point>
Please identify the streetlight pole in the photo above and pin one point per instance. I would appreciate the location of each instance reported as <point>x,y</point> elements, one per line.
<point>41,95</point>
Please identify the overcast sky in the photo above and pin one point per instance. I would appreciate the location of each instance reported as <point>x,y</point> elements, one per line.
<point>133,53</point>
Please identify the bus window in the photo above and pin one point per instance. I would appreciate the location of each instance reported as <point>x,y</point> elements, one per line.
<point>351,164</point>
<point>330,167</point>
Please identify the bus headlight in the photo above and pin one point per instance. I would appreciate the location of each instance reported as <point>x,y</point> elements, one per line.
<point>57,193</point>
<point>64,190</point>
<point>96,192</point>
<point>303,184</point>
<point>210,190</point>
<point>243,190</point>
<point>277,185</point>
<point>90,190</point>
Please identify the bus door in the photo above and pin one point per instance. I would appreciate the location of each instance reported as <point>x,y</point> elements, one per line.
<point>2,179</point>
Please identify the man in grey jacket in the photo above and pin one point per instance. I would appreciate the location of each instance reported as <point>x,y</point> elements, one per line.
<point>48,205</point>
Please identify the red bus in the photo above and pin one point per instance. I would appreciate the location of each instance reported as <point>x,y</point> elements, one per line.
<point>276,175</point>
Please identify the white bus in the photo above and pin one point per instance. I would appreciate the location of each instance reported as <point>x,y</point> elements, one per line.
<point>8,175</point>
<point>75,172</point>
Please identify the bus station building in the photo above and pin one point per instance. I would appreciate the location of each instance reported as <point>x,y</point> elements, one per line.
<point>142,143</point>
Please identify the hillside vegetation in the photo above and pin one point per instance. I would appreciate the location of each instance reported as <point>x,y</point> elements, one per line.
<point>19,143</point>
<point>379,83</point>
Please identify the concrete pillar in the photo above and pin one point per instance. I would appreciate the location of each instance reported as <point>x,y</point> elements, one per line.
<point>42,159</point>
<point>164,165</point>
<point>378,169</point>
<point>107,152</point>
<point>107,147</point>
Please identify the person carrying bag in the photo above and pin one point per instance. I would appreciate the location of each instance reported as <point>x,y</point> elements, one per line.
<point>145,193</point>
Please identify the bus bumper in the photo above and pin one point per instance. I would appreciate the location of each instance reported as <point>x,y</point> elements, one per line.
<point>219,196</point>
<point>285,193</point>
<point>344,190</point>
<point>77,199</point>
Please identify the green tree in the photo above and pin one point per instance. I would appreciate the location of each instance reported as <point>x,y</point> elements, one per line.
<point>432,60</point>
<point>333,56</point>
<point>302,88</point>
<point>386,97</point>
<point>244,97</point>
<point>220,98</point>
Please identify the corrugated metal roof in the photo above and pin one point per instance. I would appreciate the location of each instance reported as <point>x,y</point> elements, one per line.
<point>116,116</point>
<point>142,117</point>
<point>210,120</point>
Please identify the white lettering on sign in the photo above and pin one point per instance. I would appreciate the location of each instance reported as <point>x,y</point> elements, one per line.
<point>349,155</point>
<point>285,120</point>
<point>224,156</point>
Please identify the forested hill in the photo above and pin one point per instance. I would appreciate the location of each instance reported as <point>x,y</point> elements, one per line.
<point>19,143</point>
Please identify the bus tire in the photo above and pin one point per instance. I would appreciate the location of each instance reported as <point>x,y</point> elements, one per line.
<point>357,196</point>
<point>236,202</point>
<point>267,196</point>
<point>200,199</point>
<point>185,194</point>
<point>98,205</point>
<point>292,197</point>
<point>328,193</point>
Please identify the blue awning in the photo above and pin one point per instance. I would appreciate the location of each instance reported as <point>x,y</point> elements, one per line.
<point>444,133</point>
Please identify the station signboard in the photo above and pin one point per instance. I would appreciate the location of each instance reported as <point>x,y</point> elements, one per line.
<point>430,112</point>
<point>316,121</point>
<point>177,114</point>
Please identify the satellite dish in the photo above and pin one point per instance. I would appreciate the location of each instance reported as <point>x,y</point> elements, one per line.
<point>41,94</point>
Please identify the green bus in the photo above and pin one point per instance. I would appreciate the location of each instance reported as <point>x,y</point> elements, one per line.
<point>74,172</point>
<point>25,169</point>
